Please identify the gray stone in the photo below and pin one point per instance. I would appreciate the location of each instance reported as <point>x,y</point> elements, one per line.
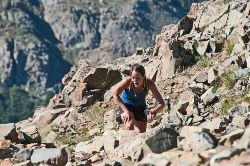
<point>52,156</point>
<point>229,138</point>
<point>244,141</point>
<point>8,132</point>
<point>31,134</point>
<point>240,121</point>
<point>91,146</point>
<point>109,120</point>
<point>110,143</point>
<point>208,97</point>
<point>202,47</point>
<point>164,140</point>
<point>201,136</point>
<point>45,116</point>
<point>217,125</point>
<point>171,118</point>
<point>198,88</point>
<point>212,74</point>
<point>22,155</point>
<point>202,77</point>
<point>153,159</point>
<point>186,99</point>
<point>248,61</point>
<point>242,72</point>
<point>157,141</point>
<point>227,154</point>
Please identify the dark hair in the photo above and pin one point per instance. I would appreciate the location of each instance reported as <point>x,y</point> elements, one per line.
<point>138,68</point>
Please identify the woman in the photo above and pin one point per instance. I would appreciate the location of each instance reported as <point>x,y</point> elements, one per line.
<point>132,101</point>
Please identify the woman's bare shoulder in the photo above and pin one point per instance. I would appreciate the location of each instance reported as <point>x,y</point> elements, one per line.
<point>125,82</point>
<point>150,82</point>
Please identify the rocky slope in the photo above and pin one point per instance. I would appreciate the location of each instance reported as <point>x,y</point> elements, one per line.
<point>201,66</point>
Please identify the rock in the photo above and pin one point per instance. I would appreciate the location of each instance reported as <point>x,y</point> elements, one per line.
<point>5,149</point>
<point>163,140</point>
<point>94,131</point>
<point>248,61</point>
<point>44,116</point>
<point>184,158</point>
<point>76,97</point>
<point>237,159</point>
<point>109,120</point>
<point>56,102</point>
<point>185,25</point>
<point>208,97</point>
<point>240,121</point>
<point>198,88</point>
<point>139,51</point>
<point>22,155</point>
<point>229,138</point>
<point>31,134</point>
<point>8,132</point>
<point>110,143</point>
<point>171,118</point>
<point>6,163</point>
<point>186,98</point>
<point>172,56</point>
<point>157,141</point>
<point>188,130</point>
<point>242,72</point>
<point>91,146</point>
<point>101,78</point>
<point>217,125</point>
<point>154,160</point>
<point>54,156</point>
<point>202,47</point>
<point>241,61</point>
<point>217,158</point>
<point>211,76</point>
<point>204,140</point>
<point>243,142</point>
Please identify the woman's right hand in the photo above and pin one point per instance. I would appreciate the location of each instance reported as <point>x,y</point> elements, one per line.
<point>126,116</point>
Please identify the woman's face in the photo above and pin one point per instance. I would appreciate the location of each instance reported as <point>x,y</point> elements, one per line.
<point>137,79</point>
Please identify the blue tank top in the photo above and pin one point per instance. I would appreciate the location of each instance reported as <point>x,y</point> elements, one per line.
<point>129,97</point>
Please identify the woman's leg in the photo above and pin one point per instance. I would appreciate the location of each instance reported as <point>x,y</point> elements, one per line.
<point>140,126</point>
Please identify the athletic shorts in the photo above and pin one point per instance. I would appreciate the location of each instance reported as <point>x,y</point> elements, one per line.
<point>140,113</point>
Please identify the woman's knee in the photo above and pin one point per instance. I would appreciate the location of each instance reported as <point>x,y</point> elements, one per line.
<point>129,125</point>
<point>140,126</point>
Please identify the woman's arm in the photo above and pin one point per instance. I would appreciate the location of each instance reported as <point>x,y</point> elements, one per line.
<point>157,96</point>
<point>116,94</point>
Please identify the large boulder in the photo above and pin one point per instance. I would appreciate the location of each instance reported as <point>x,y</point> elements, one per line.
<point>52,156</point>
<point>156,141</point>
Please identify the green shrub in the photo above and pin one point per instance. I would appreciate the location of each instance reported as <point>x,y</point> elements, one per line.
<point>216,84</point>
<point>229,47</point>
<point>229,79</point>
<point>202,62</point>
<point>228,103</point>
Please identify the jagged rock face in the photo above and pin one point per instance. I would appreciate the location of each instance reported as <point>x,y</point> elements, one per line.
<point>29,58</point>
<point>111,28</point>
<point>204,33</point>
